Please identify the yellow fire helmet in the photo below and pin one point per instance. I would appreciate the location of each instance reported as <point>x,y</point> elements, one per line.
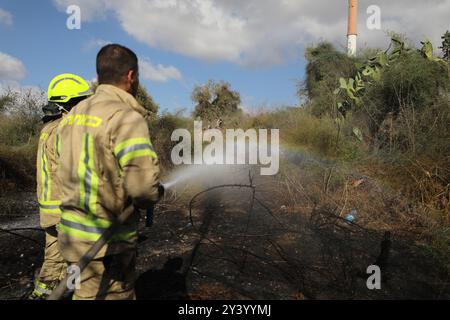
<point>65,87</point>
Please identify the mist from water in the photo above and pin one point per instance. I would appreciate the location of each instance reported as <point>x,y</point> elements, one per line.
<point>215,175</point>
<point>207,175</point>
<point>210,175</point>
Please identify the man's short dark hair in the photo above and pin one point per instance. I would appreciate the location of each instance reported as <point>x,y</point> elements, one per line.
<point>114,62</point>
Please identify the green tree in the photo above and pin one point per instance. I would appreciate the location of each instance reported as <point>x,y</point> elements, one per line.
<point>446,49</point>
<point>325,67</point>
<point>215,101</point>
<point>446,46</point>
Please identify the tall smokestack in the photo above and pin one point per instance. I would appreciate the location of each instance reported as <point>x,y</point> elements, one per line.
<point>352,33</point>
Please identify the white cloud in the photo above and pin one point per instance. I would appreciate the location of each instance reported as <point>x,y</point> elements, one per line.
<point>11,68</point>
<point>265,32</point>
<point>158,73</point>
<point>198,28</point>
<point>6,17</point>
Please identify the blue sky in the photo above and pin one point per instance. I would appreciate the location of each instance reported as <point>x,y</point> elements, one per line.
<point>256,45</point>
<point>39,38</point>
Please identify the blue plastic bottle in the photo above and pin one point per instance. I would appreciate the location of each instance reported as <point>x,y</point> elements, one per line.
<point>351,216</point>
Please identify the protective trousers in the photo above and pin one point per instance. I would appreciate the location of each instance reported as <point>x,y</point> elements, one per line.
<point>108,278</point>
<point>53,269</point>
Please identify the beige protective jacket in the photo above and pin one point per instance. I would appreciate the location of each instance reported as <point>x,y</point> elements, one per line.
<point>48,185</point>
<point>106,165</point>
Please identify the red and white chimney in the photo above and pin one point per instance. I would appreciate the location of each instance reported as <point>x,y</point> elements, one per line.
<point>352,33</point>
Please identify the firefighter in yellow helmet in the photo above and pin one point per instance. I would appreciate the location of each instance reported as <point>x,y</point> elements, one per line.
<point>107,166</point>
<point>64,92</point>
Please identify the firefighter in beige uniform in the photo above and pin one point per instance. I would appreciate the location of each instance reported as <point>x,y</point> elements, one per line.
<point>107,165</point>
<point>64,92</point>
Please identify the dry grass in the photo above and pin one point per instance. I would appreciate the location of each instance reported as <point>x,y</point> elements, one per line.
<point>17,167</point>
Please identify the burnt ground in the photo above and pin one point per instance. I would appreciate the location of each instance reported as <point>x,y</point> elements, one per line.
<point>21,250</point>
<point>278,244</point>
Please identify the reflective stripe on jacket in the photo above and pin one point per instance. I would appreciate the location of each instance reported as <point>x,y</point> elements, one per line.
<point>48,185</point>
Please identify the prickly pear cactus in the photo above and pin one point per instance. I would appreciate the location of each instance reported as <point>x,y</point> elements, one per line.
<point>350,90</point>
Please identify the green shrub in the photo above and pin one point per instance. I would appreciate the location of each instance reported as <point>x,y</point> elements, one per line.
<point>18,166</point>
<point>322,135</point>
<point>161,129</point>
<point>325,66</point>
<point>411,81</point>
<point>215,101</point>
<point>17,130</point>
